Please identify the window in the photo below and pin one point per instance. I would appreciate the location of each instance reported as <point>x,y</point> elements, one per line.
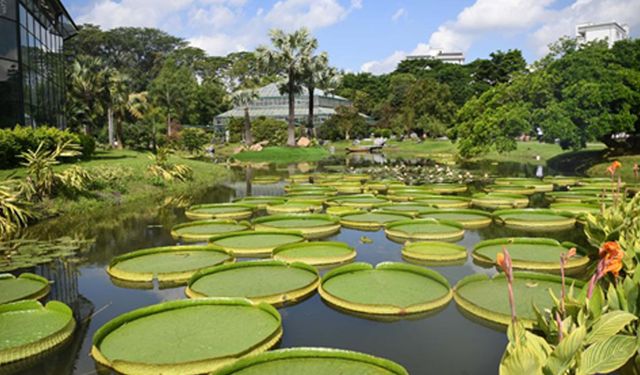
<point>8,9</point>
<point>8,41</point>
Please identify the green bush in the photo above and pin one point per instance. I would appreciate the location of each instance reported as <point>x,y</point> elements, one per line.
<point>20,139</point>
<point>235,127</point>
<point>193,140</point>
<point>268,129</point>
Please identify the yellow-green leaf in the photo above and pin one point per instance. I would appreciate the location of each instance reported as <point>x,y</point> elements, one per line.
<point>608,325</point>
<point>607,356</point>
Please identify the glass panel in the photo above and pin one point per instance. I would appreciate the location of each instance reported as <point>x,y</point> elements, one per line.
<point>24,46</point>
<point>8,41</point>
<point>8,9</point>
<point>23,16</point>
<point>9,93</point>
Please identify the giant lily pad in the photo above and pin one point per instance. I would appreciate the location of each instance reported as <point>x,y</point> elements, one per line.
<point>265,180</point>
<point>409,208</point>
<point>511,189</point>
<point>272,281</point>
<point>203,229</point>
<point>313,361</point>
<point>434,251</point>
<point>356,177</point>
<point>300,178</point>
<point>371,220</point>
<point>424,230</point>
<point>494,201</point>
<point>407,193</point>
<point>532,254</point>
<point>444,201</point>
<point>446,188</point>
<point>255,244</point>
<point>26,286</point>
<point>312,226</point>
<point>310,189</point>
<point>342,210</point>
<point>294,207</point>
<point>470,219</point>
<point>389,289</point>
<point>260,202</point>
<point>561,180</point>
<point>570,196</point>
<point>232,211</point>
<point>540,186</point>
<point>581,210</point>
<point>487,298</point>
<point>170,264</point>
<point>186,336</point>
<point>535,219</point>
<point>366,201</point>
<point>347,187</point>
<point>30,329</point>
<point>320,253</point>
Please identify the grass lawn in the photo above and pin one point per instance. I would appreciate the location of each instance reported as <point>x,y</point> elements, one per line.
<point>283,155</point>
<point>626,171</point>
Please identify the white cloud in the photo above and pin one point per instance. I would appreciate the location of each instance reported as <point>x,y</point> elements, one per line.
<point>220,44</point>
<point>401,12</point>
<point>384,66</point>
<point>142,13</point>
<point>293,14</point>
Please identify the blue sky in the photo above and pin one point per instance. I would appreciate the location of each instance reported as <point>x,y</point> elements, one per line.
<point>365,35</point>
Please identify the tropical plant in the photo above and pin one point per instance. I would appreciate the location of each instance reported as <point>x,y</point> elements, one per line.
<point>287,59</point>
<point>318,74</point>
<point>244,98</point>
<point>116,101</point>
<point>162,170</point>
<point>15,212</point>
<point>193,140</point>
<point>85,93</point>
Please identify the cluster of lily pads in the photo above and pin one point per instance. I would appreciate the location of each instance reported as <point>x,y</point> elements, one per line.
<point>230,315</point>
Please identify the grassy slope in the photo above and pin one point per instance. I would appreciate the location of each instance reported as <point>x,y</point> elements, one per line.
<point>282,155</point>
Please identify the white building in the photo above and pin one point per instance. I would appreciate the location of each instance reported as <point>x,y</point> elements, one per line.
<point>609,31</point>
<point>453,57</point>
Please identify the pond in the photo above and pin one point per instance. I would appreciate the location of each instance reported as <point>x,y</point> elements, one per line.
<point>444,342</point>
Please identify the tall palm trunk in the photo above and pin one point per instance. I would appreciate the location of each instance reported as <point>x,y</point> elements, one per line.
<point>310,126</point>
<point>169,124</point>
<point>291,141</point>
<point>110,128</point>
<point>248,137</point>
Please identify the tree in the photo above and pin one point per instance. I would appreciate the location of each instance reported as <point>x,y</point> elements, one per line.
<point>243,98</point>
<point>317,74</point>
<point>116,101</point>
<point>85,94</point>
<point>287,59</point>
<point>347,119</point>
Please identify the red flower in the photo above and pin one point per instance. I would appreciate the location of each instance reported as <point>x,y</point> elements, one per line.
<point>613,167</point>
<point>612,255</point>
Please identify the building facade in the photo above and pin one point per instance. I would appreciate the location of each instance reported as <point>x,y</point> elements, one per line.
<point>32,34</point>
<point>609,31</point>
<point>452,57</point>
<point>271,103</point>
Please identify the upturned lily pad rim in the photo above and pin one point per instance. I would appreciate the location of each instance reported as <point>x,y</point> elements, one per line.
<point>38,294</point>
<point>203,236</point>
<point>356,200</point>
<point>319,261</point>
<point>484,218</point>
<point>310,352</point>
<point>426,197</point>
<point>511,189</point>
<point>381,309</point>
<point>176,277</point>
<point>446,187</point>
<point>250,198</point>
<point>194,367</point>
<point>420,207</point>
<point>495,317</point>
<point>370,225</point>
<point>278,299</point>
<point>329,227</point>
<point>395,233</point>
<point>531,211</point>
<point>266,180</point>
<point>408,251</point>
<point>247,211</point>
<point>257,252</point>
<point>44,344</point>
<point>331,219</point>
<point>572,264</point>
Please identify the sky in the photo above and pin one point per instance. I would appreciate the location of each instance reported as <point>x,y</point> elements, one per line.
<point>365,35</point>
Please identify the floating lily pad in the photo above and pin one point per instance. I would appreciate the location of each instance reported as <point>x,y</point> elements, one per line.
<point>295,207</point>
<point>26,286</point>
<point>540,186</point>
<point>424,230</point>
<point>342,210</point>
<point>371,220</point>
<point>470,219</point>
<point>260,202</point>
<point>255,244</point>
<point>570,196</point>
<point>381,186</point>
<point>274,282</point>
<point>300,178</point>
<point>356,177</point>
<point>313,361</point>
<point>487,298</point>
<point>24,253</point>
<point>310,189</point>
<point>186,336</point>
<point>320,253</point>
<point>434,251</point>
<point>531,254</point>
<point>232,211</point>
<point>511,189</point>
<point>535,219</point>
<point>407,193</point>
<point>444,201</point>
<point>389,289</point>
<point>409,208</point>
<point>494,201</point>
<point>446,188</point>
<point>311,226</point>
<point>347,187</point>
<point>265,180</point>
<point>366,201</point>
<point>579,209</point>
<point>201,230</point>
<point>170,264</point>
<point>30,329</point>
<point>561,180</point>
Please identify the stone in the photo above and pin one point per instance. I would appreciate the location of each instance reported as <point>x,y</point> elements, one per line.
<point>304,142</point>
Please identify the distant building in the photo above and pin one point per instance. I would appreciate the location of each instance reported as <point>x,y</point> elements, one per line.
<point>272,104</point>
<point>452,57</point>
<point>609,31</point>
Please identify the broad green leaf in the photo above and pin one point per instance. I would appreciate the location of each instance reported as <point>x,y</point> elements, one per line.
<point>563,355</point>
<point>521,360</point>
<point>607,356</point>
<point>608,325</point>
<point>612,298</point>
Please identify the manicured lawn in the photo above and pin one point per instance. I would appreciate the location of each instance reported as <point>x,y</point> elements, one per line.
<point>283,155</point>
<point>626,171</point>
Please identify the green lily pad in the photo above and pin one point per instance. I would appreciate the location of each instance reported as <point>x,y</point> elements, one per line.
<point>30,329</point>
<point>487,298</point>
<point>434,251</point>
<point>232,211</point>
<point>494,201</point>
<point>470,219</point>
<point>570,196</point>
<point>260,202</point>
<point>356,177</point>
<point>346,187</point>
<point>169,264</point>
<point>561,180</point>
<point>313,361</point>
<point>255,244</point>
<point>320,253</point>
<point>531,254</point>
<point>274,282</point>
<point>310,189</point>
<point>424,230</point>
<point>294,207</point>
<point>202,230</point>
<point>389,289</point>
<point>312,226</point>
<point>540,186</point>
<point>300,178</point>
<point>511,189</point>
<point>186,336</point>
<point>342,210</point>
<point>444,201</point>
<point>446,188</point>
<point>581,210</point>
<point>409,208</point>
<point>265,180</point>
<point>366,201</point>
<point>371,220</point>
<point>26,286</point>
<point>535,219</point>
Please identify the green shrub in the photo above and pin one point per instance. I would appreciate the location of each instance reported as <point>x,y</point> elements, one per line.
<point>193,140</point>
<point>235,127</point>
<point>268,129</point>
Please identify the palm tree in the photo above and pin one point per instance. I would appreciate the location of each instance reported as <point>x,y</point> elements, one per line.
<point>318,74</point>
<point>117,101</point>
<point>85,93</point>
<point>288,57</point>
<point>243,98</point>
